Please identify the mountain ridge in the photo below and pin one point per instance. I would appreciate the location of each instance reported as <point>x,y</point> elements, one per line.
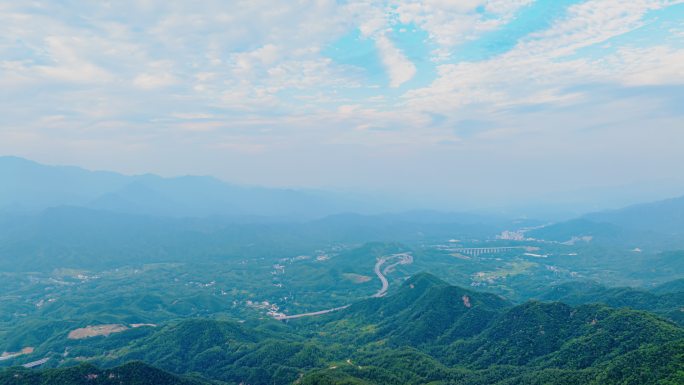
<point>36,186</point>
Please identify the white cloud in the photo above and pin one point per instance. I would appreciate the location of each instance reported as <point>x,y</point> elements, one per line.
<point>399,68</point>
<point>265,56</point>
<point>66,64</point>
<point>588,23</point>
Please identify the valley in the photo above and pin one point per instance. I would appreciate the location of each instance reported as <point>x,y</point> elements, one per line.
<point>107,317</point>
<point>342,192</point>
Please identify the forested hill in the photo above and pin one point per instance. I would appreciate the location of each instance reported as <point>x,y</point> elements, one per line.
<point>664,300</point>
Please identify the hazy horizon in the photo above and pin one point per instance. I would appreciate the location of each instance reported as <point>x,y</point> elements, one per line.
<point>559,206</point>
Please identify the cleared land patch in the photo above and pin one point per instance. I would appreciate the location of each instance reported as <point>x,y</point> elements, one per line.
<point>511,269</point>
<point>356,278</point>
<point>8,355</point>
<point>94,331</point>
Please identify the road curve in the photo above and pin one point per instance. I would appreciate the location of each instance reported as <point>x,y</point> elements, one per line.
<point>381,276</point>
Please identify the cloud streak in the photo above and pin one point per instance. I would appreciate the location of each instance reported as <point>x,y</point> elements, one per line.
<point>225,81</point>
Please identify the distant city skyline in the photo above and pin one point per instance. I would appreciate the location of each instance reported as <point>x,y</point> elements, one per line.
<point>472,103</point>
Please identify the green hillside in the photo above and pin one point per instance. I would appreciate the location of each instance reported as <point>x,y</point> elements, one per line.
<point>668,304</point>
<point>133,373</point>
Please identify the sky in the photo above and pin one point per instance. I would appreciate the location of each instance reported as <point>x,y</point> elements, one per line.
<point>460,103</point>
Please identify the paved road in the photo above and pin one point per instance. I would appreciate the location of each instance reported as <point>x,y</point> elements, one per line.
<point>36,363</point>
<point>283,317</point>
<point>381,276</point>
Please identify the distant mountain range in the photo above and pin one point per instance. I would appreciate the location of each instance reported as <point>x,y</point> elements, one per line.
<point>30,186</point>
<point>656,222</point>
<point>666,216</point>
<point>54,216</point>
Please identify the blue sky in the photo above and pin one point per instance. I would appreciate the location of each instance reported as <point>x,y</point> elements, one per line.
<point>456,103</point>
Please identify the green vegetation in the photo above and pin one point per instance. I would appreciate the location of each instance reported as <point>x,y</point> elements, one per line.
<point>426,332</point>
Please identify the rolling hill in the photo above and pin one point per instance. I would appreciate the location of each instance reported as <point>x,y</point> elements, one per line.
<point>426,332</point>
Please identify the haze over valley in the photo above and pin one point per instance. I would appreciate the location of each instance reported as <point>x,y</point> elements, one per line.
<point>108,269</point>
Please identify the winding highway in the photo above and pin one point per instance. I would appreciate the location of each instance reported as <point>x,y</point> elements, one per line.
<point>381,276</point>
<point>403,259</point>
